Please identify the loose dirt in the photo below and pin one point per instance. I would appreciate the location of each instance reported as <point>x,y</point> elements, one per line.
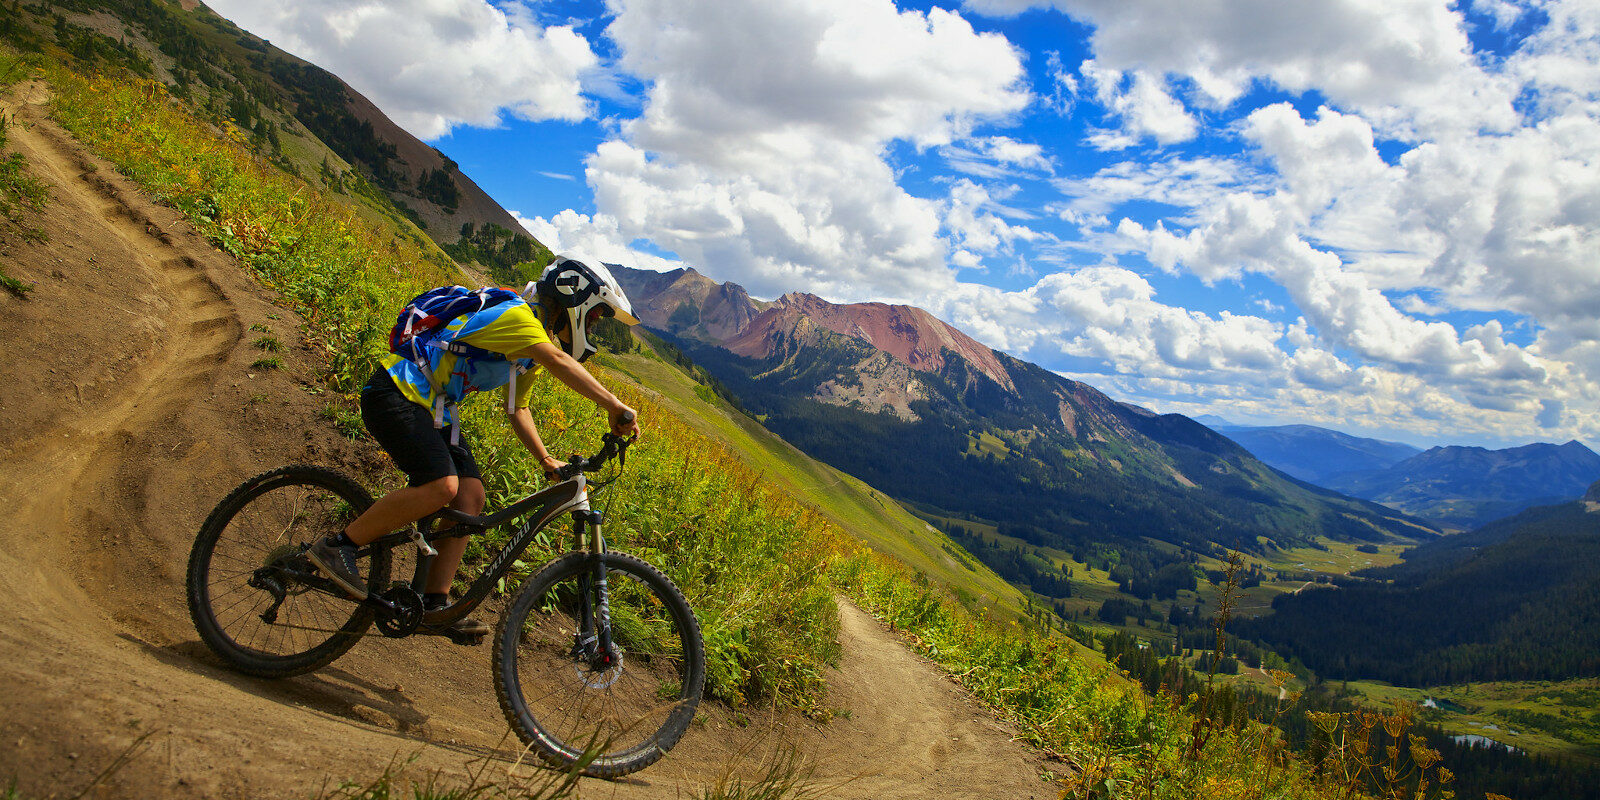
<point>132,406</point>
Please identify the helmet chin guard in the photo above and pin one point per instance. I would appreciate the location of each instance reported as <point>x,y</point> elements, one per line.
<point>581,292</point>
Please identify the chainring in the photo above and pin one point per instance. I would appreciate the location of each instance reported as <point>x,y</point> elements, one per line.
<point>407,614</point>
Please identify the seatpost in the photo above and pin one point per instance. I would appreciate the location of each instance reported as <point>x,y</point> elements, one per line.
<point>425,554</point>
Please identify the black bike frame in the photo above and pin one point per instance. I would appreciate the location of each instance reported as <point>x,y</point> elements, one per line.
<point>543,507</point>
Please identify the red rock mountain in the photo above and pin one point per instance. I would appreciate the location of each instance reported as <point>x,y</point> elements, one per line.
<point>912,336</point>
<point>685,303</point>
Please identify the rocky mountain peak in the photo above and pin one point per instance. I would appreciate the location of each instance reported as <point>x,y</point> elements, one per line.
<point>909,334</point>
<point>686,303</point>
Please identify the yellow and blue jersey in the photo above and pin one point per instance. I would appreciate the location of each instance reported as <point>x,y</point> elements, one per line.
<point>504,328</point>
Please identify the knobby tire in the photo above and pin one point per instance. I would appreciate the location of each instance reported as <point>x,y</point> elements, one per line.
<point>568,710</point>
<point>258,522</point>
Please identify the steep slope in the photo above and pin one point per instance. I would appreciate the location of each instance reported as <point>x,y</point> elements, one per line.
<point>301,116</point>
<point>1316,455</point>
<point>1465,487</point>
<point>413,174</point>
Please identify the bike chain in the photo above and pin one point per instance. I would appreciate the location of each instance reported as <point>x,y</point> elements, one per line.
<point>420,630</point>
<point>373,634</point>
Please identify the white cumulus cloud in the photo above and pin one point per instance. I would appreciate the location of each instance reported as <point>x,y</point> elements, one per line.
<point>431,65</point>
<point>761,158</point>
<point>1141,100</point>
<point>1404,62</point>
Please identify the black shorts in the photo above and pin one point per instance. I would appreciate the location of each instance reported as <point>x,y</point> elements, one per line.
<point>404,428</point>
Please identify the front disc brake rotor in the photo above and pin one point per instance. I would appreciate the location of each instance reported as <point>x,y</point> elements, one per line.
<point>600,673</point>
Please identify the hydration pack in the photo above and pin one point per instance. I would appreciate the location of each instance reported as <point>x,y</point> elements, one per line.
<point>422,324</point>
<point>424,318</point>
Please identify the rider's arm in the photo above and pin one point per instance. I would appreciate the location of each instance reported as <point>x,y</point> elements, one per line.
<point>566,369</point>
<point>522,424</point>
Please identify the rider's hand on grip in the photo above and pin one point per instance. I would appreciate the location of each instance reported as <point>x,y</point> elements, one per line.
<point>625,422</point>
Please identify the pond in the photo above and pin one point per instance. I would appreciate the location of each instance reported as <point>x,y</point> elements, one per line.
<point>1475,740</point>
<point>1444,705</point>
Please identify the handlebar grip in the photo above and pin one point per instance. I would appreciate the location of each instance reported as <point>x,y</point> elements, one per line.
<point>628,417</point>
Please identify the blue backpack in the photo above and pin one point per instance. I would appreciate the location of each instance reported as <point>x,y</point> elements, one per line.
<point>425,317</point>
<point>421,325</point>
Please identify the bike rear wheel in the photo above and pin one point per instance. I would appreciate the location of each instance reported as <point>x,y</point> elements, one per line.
<point>246,582</point>
<point>569,701</point>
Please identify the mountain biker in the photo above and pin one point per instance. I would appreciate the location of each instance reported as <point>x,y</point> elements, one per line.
<point>398,407</point>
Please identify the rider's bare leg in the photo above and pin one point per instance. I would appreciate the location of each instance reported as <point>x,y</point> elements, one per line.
<point>469,499</point>
<point>402,507</point>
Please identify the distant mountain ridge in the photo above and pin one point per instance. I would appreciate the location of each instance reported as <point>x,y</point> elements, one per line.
<point>921,410</point>
<point>1313,454</point>
<point>1466,487</point>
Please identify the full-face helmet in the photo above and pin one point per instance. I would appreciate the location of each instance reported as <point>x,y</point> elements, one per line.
<point>575,295</point>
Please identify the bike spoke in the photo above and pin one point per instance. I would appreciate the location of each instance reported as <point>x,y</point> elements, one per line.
<point>572,693</point>
<point>260,538</point>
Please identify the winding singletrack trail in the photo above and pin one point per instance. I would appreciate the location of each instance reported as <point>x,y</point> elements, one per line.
<point>132,407</point>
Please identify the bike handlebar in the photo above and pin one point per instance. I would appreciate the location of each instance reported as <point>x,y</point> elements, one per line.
<point>611,447</point>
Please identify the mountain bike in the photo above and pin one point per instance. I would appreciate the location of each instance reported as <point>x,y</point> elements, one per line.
<point>597,649</point>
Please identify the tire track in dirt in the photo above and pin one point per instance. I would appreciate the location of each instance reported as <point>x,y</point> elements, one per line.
<point>104,450</point>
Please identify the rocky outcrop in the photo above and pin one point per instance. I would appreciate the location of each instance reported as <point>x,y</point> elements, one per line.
<point>912,336</point>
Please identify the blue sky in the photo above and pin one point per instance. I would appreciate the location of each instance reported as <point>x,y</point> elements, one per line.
<point>1379,216</point>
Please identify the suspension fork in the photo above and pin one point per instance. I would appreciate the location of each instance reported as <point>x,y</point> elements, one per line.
<point>595,606</point>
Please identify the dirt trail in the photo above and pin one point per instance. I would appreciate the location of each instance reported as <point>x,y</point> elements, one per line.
<point>132,406</point>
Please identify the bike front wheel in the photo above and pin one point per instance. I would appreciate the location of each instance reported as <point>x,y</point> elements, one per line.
<point>247,582</point>
<point>570,699</point>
